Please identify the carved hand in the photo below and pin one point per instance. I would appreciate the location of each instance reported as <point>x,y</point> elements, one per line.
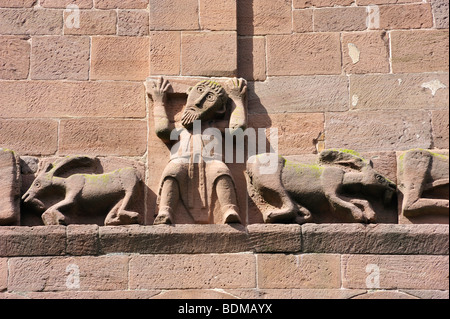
<point>236,88</point>
<point>159,90</point>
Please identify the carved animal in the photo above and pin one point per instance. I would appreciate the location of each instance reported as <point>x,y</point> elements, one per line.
<point>424,182</point>
<point>107,194</point>
<point>341,182</point>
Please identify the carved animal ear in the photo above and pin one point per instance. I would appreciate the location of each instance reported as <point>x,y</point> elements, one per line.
<point>189,90</point>
<point>342,158</point>
<point>370,163</point>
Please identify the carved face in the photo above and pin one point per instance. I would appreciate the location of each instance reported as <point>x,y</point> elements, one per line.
<point>205,101</point>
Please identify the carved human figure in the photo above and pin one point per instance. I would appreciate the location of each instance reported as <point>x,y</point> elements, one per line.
<point>196,169</point>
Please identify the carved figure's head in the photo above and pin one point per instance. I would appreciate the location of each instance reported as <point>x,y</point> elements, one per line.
<point>206,100</point>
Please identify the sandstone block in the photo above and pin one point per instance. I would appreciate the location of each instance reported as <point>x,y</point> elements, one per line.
<point>29,137</point>
<point>440,13</point>
<point>299,94</point>
<point>103,137</point>
<point>165,52</point>
<point>121,4</point>
<point>369,2</point>
<point>3,274</point>
<point>419,51</point>
<point>179,239</point>
<point>365,52</point>
<point>209,53</point>
<point>261,17</point>
<point>60,58</point>
<point>301,4</point>
<point>29,21</point>
<point>296,293</point>
<point>9,188</point>
<point>272,238</point>
<point>302,20</point>
<point>252,58</point>
<point>375,239</point>
<point>290,140</point>
<point>82,240</point>
<point>18,3</point>
<point>133,23</point>
<point>399,91</point>
<point>218,15</point>
<point>320,54</point>
<point>395,272</point>
<point>33,241</point>
<point>440,126</point>
<point>92,23</point>
<point>43,274</point>
<point>408,16</point>
<point>382,131</point>
<point>192,271</point>
<point>167,15</point>
<point>319,271</point>
<point>27,99</point>
<point>120,58</point>
<point>82,4</point>
<point>340,19</point>
<point>14,57</point>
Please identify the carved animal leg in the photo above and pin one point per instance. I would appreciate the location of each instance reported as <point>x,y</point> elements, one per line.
<point>53,215</point>
<point>304,215</point>
<point>120,216</point>
<point>366,207</point>
<point>332,181</point>
<point>227,199</point>
<point>170,196</point>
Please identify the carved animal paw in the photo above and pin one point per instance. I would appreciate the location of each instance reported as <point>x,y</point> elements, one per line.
<point>280,215</point>
<point>124,217</point>
<point>163,218</point>
<point>368,214</point>
<point>231,217</point>
<point>53,217</point>
<point>304,216</point>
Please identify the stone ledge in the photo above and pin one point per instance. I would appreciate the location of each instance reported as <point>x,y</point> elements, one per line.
<point>85,240</point>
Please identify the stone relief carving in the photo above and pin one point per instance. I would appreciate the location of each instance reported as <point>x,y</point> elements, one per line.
<point>341,183</point>
<point>9,188</point>
<point>196,170</point>
<point>101,194</point>
<point>423,178</point>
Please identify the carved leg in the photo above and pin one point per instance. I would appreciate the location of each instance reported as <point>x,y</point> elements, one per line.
<point>170,196</point>
<point>120,216</point>
<point>53,215</point>
<point>226,194</point>
<point>367,209</point>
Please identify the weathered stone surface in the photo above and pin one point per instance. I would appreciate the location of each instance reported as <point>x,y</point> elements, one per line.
<point>98,22</point>
<point>340,19</point>
<point>194,294</point>
<point>174,15</point>
<point>9,188</point>
<point>3,274</point>
<point>82,240</point>
<point>399,91</point>
<point>29,137</point>
<point>218,15</point>
<point>133,23</point>
<point>295,293</point>
<point>14,57</point>
<point>300,4</point>
<point>320,271</point>
<point>179,239</point>
<point>19,3</point>
<point>385,295</point>
<point>74,294</point>
<point>440,13</point>
<point>252,58</point>
<point>119,58</point>
<point>103,137</point>
<point>60,58</point>
<point>409,16</point>
<point>50,99</point>
<point>365,52</point>
<point>165,52</point>
<point>382,131</point>
<point>440,126</point>
<point>32,22</point>
<point>429,294</point>
<point>299,94</point>
<point>192,271</point>
<point>274,238</point>
<point>82,4</point>
<point>121,4</point>
<point>320,54</point>
<point>302,20</point>
<point>33,241</point>
<point>419,51</point>
<point>43,274</point>
<point>395,272</point>
<point>375,239</point>
<point>261,17</point>
<point>199,53</point>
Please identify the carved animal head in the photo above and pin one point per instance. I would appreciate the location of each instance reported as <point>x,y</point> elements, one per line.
<point>44,180</point>
<point>360,175</point>
<point>205,100</point>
